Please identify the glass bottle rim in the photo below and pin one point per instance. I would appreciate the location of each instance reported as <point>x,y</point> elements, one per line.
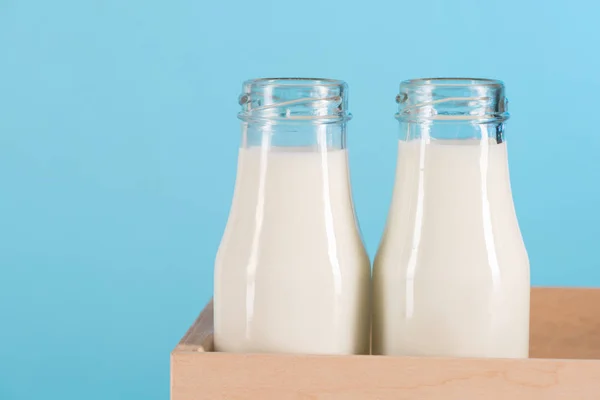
<point>294,81</point>
<point>294,100</point>
<point>452,82</point>
<point>449,99</point>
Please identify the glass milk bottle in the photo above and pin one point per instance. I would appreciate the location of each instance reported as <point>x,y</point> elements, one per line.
<point>451,276</point>
<point>291,273</point>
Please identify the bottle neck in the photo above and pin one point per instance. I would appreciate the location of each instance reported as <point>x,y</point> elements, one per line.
<point>491,132</point>
<point>299,136</point>
<point>452,109</point>
<point>294,114</point>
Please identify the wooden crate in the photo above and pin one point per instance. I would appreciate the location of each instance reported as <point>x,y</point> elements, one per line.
<point>564,364</point>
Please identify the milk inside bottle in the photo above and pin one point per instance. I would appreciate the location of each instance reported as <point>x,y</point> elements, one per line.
<point>291,273</point>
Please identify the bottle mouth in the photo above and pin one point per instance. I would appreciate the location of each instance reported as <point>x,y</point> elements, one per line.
<point>285,100</point>
<point>292,82</point>
<point>453,82</point>
<point>476,100</point>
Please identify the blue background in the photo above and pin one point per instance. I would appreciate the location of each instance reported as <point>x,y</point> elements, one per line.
<point>118,141</point>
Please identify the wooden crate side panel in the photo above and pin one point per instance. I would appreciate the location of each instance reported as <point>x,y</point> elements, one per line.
<point>212,376</point>
<point>565,323</point>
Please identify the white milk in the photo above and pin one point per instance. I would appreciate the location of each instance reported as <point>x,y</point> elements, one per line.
<point>451,277</point>
<point>291,274</point>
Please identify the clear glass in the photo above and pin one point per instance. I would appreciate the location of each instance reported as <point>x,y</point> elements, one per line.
<point>291,273</point>
<point>451,276</point>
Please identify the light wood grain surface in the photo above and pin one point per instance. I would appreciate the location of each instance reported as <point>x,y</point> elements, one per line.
<point>565,323</point>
